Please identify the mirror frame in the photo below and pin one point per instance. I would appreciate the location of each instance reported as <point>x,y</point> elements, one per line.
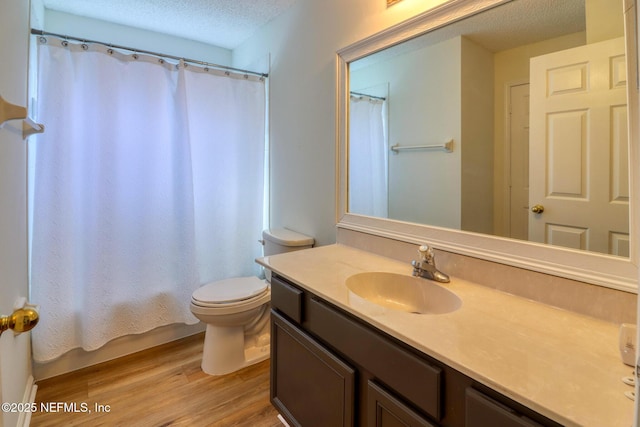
<point>599,269</point>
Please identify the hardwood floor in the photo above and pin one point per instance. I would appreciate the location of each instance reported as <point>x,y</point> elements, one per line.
<point>162,386</point>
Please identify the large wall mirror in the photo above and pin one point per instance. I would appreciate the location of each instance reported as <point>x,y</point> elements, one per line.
<point>497,129</point>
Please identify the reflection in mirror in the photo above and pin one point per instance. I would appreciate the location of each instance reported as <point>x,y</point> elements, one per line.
<point>533,95</point>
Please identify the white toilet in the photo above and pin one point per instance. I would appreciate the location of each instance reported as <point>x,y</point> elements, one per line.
<point>236,311</point>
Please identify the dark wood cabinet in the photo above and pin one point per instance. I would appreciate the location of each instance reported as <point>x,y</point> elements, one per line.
<point>386,410</point>
<point>483,411</point>
<point>409,375</point>
<point>310,386</point>
<point>329,368</point>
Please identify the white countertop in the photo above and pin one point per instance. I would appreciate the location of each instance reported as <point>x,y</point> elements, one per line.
<point>563,365</point>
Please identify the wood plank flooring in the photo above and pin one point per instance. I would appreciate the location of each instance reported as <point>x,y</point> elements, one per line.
<point>162,386</point>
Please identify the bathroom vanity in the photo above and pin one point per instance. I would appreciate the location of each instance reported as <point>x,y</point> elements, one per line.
<point>496,360</point>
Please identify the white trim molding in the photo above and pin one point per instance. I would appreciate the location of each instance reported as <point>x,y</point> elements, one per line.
<point>28,399</point>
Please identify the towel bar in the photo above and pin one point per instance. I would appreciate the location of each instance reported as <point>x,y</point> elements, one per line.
<point>447,146</point>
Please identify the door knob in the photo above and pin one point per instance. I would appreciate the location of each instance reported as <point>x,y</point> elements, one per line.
<point>537,209</point>
<point>22,320</point>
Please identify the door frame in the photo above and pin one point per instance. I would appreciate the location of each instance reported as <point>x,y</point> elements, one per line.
<point>16,382</point>
<point>506,155</point>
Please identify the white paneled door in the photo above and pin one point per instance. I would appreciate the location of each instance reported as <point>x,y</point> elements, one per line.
<point>15,365</point>
<point>579,172</point>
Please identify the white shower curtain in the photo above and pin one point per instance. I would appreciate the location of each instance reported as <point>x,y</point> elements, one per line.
<point>120,175</point>
<point>227,154</point>
<point>368,166</point>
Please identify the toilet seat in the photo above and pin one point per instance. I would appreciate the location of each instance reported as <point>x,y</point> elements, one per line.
<point>230,292</point>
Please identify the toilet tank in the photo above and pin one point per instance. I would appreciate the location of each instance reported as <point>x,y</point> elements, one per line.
<point>282,240</point>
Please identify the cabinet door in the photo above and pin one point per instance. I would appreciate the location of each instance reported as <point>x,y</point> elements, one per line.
<point>408,375</point>
<point>483,411</point>
<point>309,385</point>
<point>384,410</point>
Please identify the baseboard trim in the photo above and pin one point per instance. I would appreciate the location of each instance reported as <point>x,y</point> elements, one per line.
<point>29,397</point>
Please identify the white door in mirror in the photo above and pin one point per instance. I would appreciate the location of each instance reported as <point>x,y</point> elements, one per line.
<point>579,138</point>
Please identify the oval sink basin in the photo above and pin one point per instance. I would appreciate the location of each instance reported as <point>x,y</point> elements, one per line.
<point>403,293</point>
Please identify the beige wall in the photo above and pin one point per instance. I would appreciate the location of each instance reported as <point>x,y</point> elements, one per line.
<point>604,20</point>
<point>477,138</point>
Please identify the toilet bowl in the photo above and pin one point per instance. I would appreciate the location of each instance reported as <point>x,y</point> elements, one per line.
<point>236,311</point>
<point>232,308</point>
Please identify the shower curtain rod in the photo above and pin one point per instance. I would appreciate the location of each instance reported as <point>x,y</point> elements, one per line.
<point>161,55</point>
<point>370,96</point>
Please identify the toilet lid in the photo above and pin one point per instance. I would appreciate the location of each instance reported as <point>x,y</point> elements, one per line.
<point>230,290</point>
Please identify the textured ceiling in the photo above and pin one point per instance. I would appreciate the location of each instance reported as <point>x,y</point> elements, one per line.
<point>504,27</point>
<point>223,23</point>
<point>525,21</point>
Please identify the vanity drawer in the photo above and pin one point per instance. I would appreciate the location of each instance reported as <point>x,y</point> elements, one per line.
<point>405,373</point>
<point>483,411</point>
<point>286,298</point>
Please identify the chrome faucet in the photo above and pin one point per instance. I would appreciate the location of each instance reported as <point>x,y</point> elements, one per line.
<point>426,266</point>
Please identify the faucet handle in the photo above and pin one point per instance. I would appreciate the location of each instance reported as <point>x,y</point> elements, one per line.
<point>426,253</point>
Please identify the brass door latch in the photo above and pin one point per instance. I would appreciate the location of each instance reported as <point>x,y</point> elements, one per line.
<point>22,320</point>
<point>538,209</point>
